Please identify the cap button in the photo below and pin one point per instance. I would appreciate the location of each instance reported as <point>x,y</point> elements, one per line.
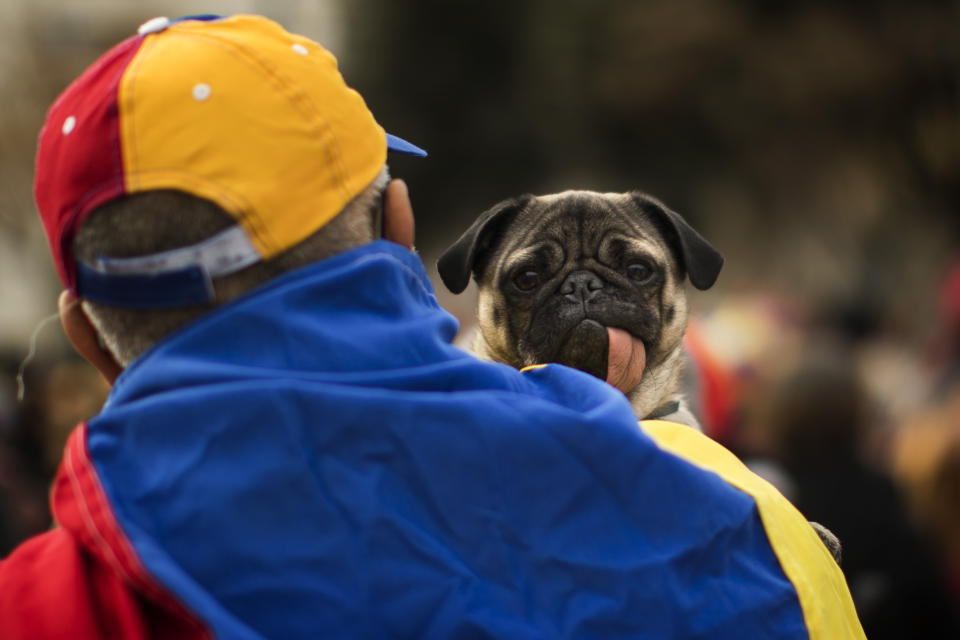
<point>153,25</point>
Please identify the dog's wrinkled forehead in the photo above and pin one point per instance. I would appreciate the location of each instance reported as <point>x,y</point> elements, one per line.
<point>580,220</point>
<point>575,223</point>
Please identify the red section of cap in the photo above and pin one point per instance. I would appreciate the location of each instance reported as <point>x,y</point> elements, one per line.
<point>80,167</point>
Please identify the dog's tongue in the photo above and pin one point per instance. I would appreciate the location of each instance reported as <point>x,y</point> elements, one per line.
<point>607,353</point>
<point>626,361</point>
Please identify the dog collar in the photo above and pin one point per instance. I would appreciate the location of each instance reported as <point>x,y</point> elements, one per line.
<point>664,410</point>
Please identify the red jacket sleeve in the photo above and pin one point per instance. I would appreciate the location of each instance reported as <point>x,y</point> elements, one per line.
<point>83,580</point>
<point>50,587</point>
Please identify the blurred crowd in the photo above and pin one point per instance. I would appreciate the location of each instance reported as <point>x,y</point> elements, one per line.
<point>59,390</point>
<point>858,429</point>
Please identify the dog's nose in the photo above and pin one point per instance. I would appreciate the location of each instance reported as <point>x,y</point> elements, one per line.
<point>581,286</point>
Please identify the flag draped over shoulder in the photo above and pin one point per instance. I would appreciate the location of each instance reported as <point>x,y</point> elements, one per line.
<point>316,460</point>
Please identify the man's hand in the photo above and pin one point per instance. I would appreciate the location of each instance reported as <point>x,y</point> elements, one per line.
<point>626,360</point>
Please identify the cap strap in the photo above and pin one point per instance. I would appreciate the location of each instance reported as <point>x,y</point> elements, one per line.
<point>168,279</point>
<point>179,288</point>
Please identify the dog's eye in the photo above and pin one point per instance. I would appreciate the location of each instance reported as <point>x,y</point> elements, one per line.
<point>639,272</point>
<point>526,280</point>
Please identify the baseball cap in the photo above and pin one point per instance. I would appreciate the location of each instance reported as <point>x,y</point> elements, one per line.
<point>232,109</point>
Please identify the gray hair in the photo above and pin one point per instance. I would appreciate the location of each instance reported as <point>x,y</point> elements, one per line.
<point>155,221</point>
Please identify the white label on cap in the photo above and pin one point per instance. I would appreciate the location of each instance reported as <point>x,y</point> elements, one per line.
<point>69,124</point>
<point>299,48</point>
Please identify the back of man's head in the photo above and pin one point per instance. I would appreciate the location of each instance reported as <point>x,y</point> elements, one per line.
<point>156,221</point>
<point>197,160</point>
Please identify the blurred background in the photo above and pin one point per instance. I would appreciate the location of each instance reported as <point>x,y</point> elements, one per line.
<point>816,144</point>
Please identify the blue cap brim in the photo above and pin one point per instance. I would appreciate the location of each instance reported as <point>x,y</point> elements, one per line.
<point>402,146</point>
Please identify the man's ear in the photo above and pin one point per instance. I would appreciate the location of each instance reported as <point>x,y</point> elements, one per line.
<point>398,223</point>
<point>83,336</point>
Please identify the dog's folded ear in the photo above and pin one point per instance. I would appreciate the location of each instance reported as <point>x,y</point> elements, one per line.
<point>467,255</point>
<point>700,260</point>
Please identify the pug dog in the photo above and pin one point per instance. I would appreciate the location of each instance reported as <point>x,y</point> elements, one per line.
<point>594,281</point>
<point>591,280</point>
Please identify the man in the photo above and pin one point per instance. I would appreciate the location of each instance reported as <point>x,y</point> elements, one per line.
<point>292,447</point>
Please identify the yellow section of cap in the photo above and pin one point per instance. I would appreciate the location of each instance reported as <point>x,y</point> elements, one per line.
<point>256,119</point>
